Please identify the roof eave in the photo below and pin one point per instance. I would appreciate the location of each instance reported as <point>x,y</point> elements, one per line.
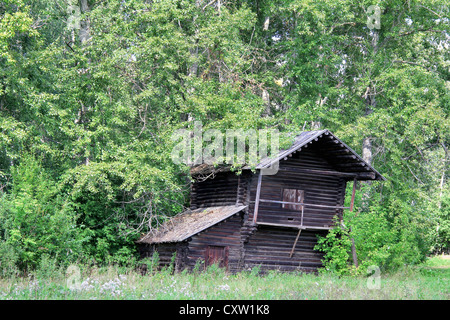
<point>319,133</point>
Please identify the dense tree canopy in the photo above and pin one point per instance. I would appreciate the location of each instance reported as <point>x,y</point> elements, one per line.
<point>92,91</point>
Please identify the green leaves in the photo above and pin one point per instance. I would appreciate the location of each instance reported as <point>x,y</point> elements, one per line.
<point>336,246</point>
<point>14,22</point>
<point>35,219</point>
<point>99,113</point>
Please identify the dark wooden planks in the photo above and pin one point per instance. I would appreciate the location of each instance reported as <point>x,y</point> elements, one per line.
<point>225,234</point>
<point>166,252</point>
<point>270,248</point>
<point>222,189</point>
<point>318,190</point>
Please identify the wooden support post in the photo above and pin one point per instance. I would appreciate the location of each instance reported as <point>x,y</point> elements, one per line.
<point>295,243</point>
<point>353,194</point>
<point>238,187</point>
<point>258,192</point>
<point>301,219</point>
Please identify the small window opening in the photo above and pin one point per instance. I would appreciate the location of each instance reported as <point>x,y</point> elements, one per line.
<point>293,195</point>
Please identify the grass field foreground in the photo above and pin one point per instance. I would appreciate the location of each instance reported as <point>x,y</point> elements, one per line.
<point>429,281</point>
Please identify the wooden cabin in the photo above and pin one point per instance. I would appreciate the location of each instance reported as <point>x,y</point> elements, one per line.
<point>270,221</point>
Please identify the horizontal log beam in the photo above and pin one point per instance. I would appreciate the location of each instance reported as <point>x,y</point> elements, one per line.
<point>330,152</point>
<point>259,223</point>
<point>346,156</point>
<point>303,204</point>
<point>351,164</point>
<point>360,175</point>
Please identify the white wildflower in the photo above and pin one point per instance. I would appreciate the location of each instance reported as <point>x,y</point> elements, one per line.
<point>224,287</point>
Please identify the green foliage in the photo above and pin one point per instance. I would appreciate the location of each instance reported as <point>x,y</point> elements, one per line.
<point>86,121</point>
<point>35,219</point>
<point>336,245</point>
<point>386,235</point>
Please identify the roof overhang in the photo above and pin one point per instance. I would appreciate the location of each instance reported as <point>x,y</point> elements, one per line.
<point>191,222</point>
<point>345,160</point>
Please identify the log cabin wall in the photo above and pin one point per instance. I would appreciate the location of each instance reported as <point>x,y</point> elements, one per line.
<point>270,249</point>
<point>226,235</point>
<point>317,189</point>
<point>221,189</point>
<point>165,253</point>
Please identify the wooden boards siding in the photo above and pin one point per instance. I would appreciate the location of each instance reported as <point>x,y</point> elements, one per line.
<point>270,248</point>
<point>218,191</point>
<point>225,234</point>
<point>318,190</point>
<point>165,253</point>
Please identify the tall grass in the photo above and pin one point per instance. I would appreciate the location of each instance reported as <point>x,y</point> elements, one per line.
<point>429,281</point>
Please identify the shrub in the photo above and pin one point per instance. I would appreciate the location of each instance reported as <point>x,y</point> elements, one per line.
<point>35,219</point>
<point>336,245</point>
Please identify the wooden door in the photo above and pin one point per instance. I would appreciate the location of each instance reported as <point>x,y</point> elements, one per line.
<point>218,255</point>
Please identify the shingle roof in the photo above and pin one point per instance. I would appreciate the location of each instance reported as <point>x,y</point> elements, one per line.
<point>189,223</point>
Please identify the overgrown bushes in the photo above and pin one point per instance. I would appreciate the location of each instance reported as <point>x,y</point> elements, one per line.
<point>41,221</point>
<point>386,234</point>
<point>35,220</point>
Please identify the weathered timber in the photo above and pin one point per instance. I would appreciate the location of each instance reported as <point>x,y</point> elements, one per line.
<point>258,193</point>
<point>295,243</point>
<point>353,195</point>
<point>273,222</point>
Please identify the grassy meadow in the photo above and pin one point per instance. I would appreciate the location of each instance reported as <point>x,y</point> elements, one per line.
<point>429,281</point>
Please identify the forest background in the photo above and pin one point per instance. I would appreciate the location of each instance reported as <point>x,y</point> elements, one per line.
<point>92,91</point>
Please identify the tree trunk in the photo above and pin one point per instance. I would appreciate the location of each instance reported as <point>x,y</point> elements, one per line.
<point>370,98</point>
<point>266,99</point>
<point>84,38</point>
<point>354,256</point>
<point>194,56</point>
<point>444,168</point>
<point>85,24</point>
<point>367,150</point>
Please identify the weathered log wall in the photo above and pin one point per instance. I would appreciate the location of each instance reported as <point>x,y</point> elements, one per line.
<point>224,234</point>
<point>270,248</point>
<point>166,253</point>
<point>218,191</point>
<point>325,190</point>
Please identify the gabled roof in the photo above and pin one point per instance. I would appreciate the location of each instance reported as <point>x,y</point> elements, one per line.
<point>335,151</point>
<point>189,223</point>
<point>300,140</point>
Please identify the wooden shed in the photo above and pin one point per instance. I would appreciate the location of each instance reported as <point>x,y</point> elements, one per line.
<point>271,221</point>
